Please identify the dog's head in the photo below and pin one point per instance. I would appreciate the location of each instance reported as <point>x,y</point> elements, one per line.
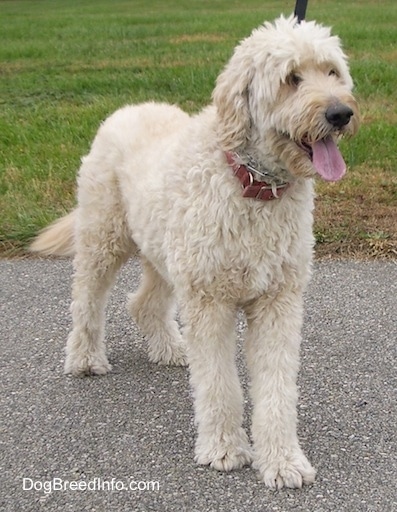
<point>286,95</point>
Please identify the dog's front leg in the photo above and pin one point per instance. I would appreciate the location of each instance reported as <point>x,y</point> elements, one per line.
<point>273,340</point>
<point>210,334</point>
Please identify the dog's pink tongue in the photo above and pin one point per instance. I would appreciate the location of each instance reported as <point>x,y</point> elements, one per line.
<point>328,160</point>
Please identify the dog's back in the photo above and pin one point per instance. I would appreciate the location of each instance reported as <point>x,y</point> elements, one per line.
<point>127,132</point>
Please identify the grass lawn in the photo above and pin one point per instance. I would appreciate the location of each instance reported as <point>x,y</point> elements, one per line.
<point>67,64</point>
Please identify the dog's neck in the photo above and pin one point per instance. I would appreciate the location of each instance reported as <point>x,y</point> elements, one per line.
<point>269,186</point>
<point>262,168</point>
<point>263,172</point>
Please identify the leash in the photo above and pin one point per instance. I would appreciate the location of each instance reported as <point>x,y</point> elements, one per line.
<point>300,9</point>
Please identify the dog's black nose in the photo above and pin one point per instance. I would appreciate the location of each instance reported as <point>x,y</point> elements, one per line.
<point>338,115</point>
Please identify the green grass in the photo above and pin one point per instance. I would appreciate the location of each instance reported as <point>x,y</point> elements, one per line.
<point>67,64</point>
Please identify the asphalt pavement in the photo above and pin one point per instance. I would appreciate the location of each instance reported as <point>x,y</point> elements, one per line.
<point>124,442</point>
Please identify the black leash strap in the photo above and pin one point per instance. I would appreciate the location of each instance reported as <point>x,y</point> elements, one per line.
<point>300,9</point>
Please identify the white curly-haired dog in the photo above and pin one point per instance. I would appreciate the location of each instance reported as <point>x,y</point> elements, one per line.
<point>219,207</point>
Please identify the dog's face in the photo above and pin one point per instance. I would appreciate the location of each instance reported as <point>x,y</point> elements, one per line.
<point>286,93</point>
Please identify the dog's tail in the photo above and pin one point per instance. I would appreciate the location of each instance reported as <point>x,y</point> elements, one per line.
<point>57,239</point>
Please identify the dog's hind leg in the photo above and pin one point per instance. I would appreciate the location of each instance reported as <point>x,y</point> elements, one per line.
<point>153,309</point>
<point>102,246</point>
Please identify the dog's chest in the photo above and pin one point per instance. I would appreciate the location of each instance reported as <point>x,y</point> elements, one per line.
<point>240,255</point>
<point>238,272</point>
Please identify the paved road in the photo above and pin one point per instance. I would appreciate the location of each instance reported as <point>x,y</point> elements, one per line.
<point>136,425</point>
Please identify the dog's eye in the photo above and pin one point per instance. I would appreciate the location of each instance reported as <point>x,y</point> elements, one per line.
<point>295,79</point>
<point>333,72</point>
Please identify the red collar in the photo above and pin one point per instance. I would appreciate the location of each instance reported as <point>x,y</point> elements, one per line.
<point>252,188</point>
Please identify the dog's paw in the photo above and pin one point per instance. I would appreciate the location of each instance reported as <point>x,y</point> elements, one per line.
<point>292,470</point>
<point>224,454</point>
<point>168,354</point>
<point>80,366</point>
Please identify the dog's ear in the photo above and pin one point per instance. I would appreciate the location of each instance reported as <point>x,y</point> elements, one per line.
<point>231,99</point>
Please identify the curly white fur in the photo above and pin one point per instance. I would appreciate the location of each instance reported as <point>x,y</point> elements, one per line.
<point>157,182</point>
